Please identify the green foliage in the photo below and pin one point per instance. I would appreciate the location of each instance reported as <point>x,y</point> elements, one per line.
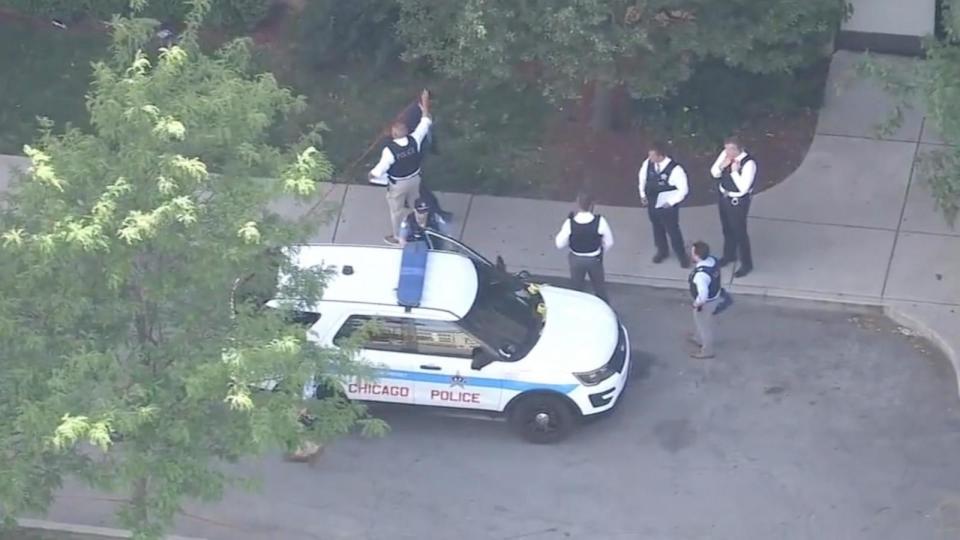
<point>236,14</point>
<point>717,98</point>
<point>650,46</point>
<point>128,361</point>
<point>935,84</point>
<point>332,32</point>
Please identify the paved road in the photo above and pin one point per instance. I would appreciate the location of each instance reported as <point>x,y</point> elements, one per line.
<point>810,424</point>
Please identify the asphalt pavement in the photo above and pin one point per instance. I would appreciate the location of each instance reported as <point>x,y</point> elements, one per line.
<point>811,423</point>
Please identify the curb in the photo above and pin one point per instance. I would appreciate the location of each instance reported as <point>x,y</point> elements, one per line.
<point>903,318</point>
<point>106,532</point>
<point>834,301</point>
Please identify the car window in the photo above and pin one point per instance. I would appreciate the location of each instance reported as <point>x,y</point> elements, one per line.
<point>438,242</point>
<point>443,338</point>
<point>385,333</point>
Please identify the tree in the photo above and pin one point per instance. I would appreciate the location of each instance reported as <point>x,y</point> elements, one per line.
<point>644,46</point>
<point>127,360</point>
<point>935,84</point>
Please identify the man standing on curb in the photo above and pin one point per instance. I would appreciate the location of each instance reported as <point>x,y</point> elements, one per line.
<point>705,287</point>
<point>736,171</point>
<point>588,237</point>
<point>663,186</point>
<point>400,162</point>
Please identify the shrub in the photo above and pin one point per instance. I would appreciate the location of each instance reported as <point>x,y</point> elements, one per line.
<point>331,32</point>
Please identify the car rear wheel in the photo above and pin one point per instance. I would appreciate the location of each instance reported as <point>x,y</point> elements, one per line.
<point>542,419</point>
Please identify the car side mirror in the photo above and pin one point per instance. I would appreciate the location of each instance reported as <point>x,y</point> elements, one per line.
<point>481,359</point>
<point>500,264</point>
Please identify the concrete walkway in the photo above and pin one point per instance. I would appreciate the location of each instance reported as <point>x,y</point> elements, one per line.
<point>855,223</point>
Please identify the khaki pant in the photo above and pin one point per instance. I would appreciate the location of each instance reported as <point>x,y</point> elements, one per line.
<point>400,198</point>
<point>703,320</point>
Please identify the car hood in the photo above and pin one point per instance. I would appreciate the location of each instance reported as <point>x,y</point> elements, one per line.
<point>580,331</point>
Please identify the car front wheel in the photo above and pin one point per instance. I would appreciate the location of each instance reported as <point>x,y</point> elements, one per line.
<point>543,419</point>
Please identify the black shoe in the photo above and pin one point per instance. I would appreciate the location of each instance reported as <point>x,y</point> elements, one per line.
<point>742,271</point>
<point>724,261</point>
<point>684,263</point>
<point>659,258</point>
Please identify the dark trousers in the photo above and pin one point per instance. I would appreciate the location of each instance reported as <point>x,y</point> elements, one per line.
<point>581,267</point>
<point>733,220</point>
<point>666,222</point>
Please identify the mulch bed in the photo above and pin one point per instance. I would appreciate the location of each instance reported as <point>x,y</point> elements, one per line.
<point>607,163</point>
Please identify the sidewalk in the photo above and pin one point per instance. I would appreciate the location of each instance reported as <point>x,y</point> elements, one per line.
<point>855,223</point>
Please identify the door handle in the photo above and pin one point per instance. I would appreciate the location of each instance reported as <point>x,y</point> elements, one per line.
<point>430,367</point>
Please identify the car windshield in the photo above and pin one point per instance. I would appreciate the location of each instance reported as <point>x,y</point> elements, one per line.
<point>506,313</point>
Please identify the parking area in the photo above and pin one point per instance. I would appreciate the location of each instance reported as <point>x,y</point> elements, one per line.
<point>810,423</point>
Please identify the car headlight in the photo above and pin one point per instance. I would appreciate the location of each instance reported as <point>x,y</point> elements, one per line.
<point>595,377</point>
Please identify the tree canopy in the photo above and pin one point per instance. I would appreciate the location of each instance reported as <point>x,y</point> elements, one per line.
<point>648,46</point>
<point>128,360</point>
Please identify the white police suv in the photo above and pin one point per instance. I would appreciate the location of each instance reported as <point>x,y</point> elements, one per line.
<point>472,336</point>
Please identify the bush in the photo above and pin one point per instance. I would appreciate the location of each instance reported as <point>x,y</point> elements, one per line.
<point>235,14</point>
<point>332,32</point>
<point>717,99</point>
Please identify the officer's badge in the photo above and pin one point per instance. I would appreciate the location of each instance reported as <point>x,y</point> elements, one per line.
<point>663,177</point>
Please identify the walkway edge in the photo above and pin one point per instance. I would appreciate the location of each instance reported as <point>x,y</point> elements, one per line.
<point>913,317</point>
<point>940,323</point>
<point>106,532</point>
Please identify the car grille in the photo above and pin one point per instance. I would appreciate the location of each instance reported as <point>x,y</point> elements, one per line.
<point>620,353</point>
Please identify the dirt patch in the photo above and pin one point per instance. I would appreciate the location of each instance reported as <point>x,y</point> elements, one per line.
<point>608,162</point>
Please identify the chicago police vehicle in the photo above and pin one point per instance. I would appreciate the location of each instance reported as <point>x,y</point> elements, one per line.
<point>453,330</point>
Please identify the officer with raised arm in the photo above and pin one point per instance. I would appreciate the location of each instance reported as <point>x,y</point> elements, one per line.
<point>663,186</point>
<point>400,162</point>
<point>736,171</point>
<point>587,236</point>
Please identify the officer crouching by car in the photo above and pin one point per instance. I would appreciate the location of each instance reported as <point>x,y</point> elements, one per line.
<point>422,218</point>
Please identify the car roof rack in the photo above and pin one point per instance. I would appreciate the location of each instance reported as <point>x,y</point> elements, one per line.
<point>413,270</point>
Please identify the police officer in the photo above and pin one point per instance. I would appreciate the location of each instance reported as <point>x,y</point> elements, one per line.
<point>705,288</point>
<point>400,162</point>
<point>587,236</point>
<point>422,218</point>
<point>663,186</point>
<point>736,171</point>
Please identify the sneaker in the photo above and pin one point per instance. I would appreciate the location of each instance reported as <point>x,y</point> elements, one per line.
<point>391,240</point>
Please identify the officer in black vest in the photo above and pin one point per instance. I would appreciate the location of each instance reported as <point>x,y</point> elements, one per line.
<point>663,186</point>
<point>587,236</point>
<point>736,171</point>
<point>706,286</point>
<point>422,218</point>
<point>400,163</point>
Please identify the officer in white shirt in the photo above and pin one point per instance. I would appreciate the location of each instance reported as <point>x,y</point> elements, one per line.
<point>587,236</point>
<point>706,287</point>
<point>735,171</point>
<point>663,186</point>
<point>400,163</point>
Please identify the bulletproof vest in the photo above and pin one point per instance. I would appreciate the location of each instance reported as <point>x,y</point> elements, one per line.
<point>658,183</point>
<point>416,231</point>
<point>715,280</point>
<point>585,237</point>
<point>406,159</point>
<point>726,181</point>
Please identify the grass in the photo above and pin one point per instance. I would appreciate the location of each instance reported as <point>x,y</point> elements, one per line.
<point>43,72</point>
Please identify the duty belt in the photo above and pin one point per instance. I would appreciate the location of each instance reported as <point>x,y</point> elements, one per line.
<point>735,201</point>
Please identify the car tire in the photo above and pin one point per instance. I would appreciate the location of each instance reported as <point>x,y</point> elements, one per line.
<point>542,419</point>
